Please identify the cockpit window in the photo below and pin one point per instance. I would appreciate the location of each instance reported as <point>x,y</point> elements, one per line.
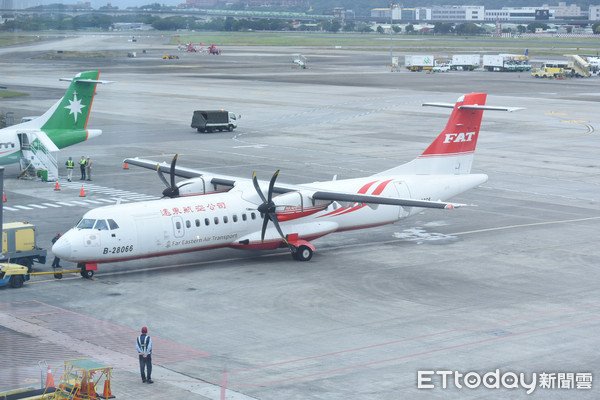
<point>101,225</point>
<point>86,223</point>
<point>112,224</point>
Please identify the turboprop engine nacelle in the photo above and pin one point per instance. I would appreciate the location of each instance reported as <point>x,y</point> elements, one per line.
<point>199,186</point>
<point>297,204</point>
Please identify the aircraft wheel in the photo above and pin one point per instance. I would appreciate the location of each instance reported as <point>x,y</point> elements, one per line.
<point>87,274</point>
<point>303,253</point>
<point>16,281</point>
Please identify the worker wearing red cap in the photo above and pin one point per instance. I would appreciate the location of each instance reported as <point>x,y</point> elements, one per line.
<point>144,348</point>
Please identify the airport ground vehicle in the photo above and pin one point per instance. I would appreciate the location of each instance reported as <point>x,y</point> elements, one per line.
<point>13,275</point>
<point>213,120</point>
<point>170,57</point>
<point>548,72</point>
<point>465,62</point>
<point>506,62</point>
<point>441,68</point>
<point>419,62</point>
<point>19,245</point>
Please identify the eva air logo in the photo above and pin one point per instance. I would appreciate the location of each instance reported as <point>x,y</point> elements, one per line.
<point>75,106</point>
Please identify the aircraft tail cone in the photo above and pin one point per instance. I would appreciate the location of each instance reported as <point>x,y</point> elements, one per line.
<point>56,186</point>
<point>82,193</point>
<point>49,379</point>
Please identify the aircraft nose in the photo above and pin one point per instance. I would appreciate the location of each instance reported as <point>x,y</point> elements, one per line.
<point>62,248</point>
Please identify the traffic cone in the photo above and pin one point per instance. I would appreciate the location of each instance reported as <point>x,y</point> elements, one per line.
<point>125,166</point>
<point>56,187</point>
<point>4,197</point>
<point>82,193</point>
<point>107,394</point>
<point>49,379</point>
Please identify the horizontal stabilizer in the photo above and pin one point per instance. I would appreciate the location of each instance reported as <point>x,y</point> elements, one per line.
<point>86,80</point>
<point>474,107</point>
<point>364,198</point>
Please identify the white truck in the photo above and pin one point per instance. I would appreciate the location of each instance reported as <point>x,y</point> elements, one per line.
<point>506,62</point>
<point>419,62</point>
<point>465,62</point>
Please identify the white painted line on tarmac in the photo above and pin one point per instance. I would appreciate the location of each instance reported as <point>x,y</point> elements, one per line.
<point>50,205</point>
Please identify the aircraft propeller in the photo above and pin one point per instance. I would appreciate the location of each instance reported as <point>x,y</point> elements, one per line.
<point>267,207</point>
<point>172,190</point>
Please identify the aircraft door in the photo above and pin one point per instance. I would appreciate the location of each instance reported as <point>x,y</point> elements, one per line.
<point>404,193</point>
<point>178,229</point>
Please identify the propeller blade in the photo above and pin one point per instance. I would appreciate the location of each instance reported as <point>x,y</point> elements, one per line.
<point>273,218</point>
<point>172,173</point>
<point>268,208</point>
<point>271,184</point>
<point>161,175</point>
<point>255,183</point>
<point>264,228</point>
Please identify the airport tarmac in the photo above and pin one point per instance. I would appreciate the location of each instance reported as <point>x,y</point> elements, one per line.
<point>507,286</point>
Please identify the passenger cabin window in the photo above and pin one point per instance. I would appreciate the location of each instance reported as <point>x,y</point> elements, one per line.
<point>234,217</point>
<point>206,221</point>
<point>225,219</point>
<point>112,224</point>
<point>244,217</point>
<point>178,225</point>
<point>188,224</point>
<point>197,223</point>
<point>216,220</point>
<point>253,215</point>
<point>86,223</point>
<point>101,225</point>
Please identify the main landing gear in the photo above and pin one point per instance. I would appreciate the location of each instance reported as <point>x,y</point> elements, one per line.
<point>301,253</point>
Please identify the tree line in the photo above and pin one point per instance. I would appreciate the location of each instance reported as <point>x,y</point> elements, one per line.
<point>230,24</point>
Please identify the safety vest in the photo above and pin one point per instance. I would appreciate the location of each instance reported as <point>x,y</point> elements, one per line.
<point>82,162</point>
<point>143,345</point>
<point>69,164</point>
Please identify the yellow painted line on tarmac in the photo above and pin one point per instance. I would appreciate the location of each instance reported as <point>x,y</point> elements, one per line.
<point>555,113</point>
<point>575,121</point>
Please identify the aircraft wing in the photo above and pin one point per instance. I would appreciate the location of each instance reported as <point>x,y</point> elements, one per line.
<point>368,199</point>
<point>188,173</point>
<point>231,181</point>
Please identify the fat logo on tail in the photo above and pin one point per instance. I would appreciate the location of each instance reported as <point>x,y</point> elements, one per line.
<point>453,150</point>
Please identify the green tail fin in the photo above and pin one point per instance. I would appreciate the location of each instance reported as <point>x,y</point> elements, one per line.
<point>73,110</point>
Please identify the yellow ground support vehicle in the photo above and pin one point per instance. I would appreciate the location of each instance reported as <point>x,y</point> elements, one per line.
<point>19,245</point>
<point>549,72</point>
<point>13,275</point>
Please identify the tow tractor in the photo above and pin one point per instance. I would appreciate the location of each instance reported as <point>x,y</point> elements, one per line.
<point>15,275</point>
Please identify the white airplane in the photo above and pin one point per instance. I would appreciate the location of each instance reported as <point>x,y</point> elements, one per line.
<point>209,211</point>
<point>64,124</point>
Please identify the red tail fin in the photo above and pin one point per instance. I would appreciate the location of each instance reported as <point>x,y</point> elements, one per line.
<point>460,135</point>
